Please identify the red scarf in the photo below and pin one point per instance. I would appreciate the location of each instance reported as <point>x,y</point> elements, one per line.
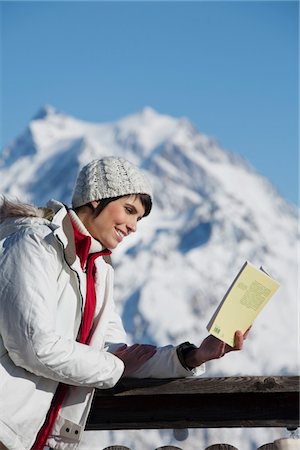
<point>82,244</point>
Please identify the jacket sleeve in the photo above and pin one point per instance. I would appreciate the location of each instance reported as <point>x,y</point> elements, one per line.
<point>166,364</point>
<point>30,264</point>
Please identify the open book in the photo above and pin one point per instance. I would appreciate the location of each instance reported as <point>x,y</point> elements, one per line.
<point>251,289</point>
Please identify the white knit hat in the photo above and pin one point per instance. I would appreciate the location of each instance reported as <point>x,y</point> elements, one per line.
<point>106,178</point>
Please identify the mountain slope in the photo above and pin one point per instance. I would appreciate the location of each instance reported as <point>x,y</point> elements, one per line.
<point>212,211</point>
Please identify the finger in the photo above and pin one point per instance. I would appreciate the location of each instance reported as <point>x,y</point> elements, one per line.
<point>151,352</point>
<point>130,349</point>
<point>120,349</point>
<point>222,349</point>
<point>143,358</point>
<point>238,340</point>
<point>134,346</point>
<point>149,347</point>
<point>147,351</point>
<point>219,349</point>
<point>143,347</point>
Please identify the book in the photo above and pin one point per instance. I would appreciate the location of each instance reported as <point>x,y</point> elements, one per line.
<point>249,292</point>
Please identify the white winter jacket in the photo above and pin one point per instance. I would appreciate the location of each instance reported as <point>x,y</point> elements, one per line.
<point>42,294</point>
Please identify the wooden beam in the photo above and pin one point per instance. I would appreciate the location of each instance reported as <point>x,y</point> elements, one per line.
<point>197,403</point>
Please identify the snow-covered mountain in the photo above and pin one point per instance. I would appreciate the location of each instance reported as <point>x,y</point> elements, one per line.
<point>212,211</point>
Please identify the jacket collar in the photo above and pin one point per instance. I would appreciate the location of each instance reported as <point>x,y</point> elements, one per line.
<point>62,228</point>
<point>96,246</point>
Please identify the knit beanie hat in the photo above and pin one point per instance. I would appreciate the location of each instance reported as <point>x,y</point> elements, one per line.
<point>108,177</point>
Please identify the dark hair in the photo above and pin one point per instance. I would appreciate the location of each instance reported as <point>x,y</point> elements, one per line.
<point>144,198</point>
<point>146,201</point>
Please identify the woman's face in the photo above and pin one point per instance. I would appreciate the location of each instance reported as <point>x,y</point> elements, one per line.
<point>117,220</point>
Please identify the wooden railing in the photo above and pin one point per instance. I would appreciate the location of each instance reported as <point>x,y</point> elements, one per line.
<point>270,446</point>
<point>198,403</point>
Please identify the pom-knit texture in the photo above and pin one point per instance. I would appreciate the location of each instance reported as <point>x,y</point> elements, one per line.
<point>109,177</point>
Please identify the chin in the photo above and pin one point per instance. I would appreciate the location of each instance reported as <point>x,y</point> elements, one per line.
<point>111,246</point>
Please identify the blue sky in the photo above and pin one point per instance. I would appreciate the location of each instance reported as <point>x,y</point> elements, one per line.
<point>231,67</point>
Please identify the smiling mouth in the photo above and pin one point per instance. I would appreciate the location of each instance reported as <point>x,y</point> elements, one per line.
<point>120,234</point>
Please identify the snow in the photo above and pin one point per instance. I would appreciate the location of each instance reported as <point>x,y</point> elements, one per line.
<point>212,211</point>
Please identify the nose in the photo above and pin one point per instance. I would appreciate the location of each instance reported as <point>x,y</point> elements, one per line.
<point>132,225</point>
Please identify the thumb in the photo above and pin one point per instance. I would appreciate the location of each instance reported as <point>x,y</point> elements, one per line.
<point>119,349</point>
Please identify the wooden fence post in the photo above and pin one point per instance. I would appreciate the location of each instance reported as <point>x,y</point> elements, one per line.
<point>221,447</point>
<point>168,447</point>
<point>116,447</point>
<point>269,446</point>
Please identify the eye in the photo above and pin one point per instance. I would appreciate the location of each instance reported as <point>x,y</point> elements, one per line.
<point>129,209</point>
<point>132,211</point>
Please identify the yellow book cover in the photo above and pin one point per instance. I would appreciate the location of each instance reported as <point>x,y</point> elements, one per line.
<point>248,294</point>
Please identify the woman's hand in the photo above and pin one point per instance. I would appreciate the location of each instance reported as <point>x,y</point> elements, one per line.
<point>134,356</point>
<point>213,348</point>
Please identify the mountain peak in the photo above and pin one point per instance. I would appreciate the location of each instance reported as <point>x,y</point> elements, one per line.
<point>146,116</point>
<point>44,112</point>
<point>149,112</point>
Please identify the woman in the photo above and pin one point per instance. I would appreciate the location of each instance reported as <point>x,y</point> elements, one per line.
<point>60,334</point>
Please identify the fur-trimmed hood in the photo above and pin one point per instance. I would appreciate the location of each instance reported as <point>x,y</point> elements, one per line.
<point>15,215</point>
<point>16,209</point>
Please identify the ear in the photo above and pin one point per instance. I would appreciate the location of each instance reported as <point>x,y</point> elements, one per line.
<point>94,203</point>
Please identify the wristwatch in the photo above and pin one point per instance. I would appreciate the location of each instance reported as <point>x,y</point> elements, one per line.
<point>182,352</point>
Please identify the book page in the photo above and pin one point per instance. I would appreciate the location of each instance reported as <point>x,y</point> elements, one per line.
<point>244,300</point>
